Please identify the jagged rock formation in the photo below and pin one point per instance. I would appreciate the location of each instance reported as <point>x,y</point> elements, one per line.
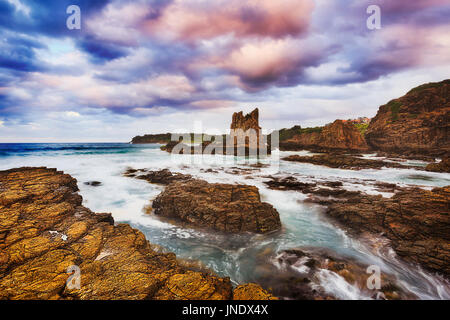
<point>339,135</point>
<point>44,229</point>
<point>221,207</point>
<point>417,123</point>
<point>249,121</point>
<point>416,221</point>
<point>245,138</point>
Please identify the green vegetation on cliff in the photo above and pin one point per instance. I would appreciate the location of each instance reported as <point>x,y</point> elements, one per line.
<point>286,134</point>
<point>394,106</point>
<point>428,85</point>
<point>362,127</point>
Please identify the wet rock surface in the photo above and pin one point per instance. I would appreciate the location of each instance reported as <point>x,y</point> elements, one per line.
<point>93,183</point>
<point>442,166</point>
<point>164,176</point>
<point>346,162</point>
<point>416,221</point>
<point>44,229</point>
<point>220,207</point>
<point>309,273</point>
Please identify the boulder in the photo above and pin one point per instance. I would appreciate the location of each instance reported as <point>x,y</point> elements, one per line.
<point>221,207</point>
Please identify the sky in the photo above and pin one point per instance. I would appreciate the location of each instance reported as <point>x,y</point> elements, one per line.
<point>155,66</point>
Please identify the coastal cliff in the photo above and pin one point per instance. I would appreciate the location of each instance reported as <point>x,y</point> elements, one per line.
<point>152,138</point>
<point>417,123</point>
<point>45,230</point>
<point>339,135</point>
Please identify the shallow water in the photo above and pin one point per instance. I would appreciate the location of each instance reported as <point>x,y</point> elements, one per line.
<point>233,256</point>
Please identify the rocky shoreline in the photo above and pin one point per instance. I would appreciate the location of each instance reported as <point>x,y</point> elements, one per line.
<point>44,230</point>
<point>350,162</point>
<point>416,221</point>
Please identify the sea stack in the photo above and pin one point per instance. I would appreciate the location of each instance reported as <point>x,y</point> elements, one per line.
<point>245,134</point>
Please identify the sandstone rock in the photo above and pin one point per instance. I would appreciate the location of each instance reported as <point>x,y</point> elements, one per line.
<point>346,162</point>
<point>249,121</point>
<point>418,122</point>
<point>221,207</point>
<point>251,291</point>
<point>443,166</point>
<point>339,135</point>
<point>163,176</point>
<point>245,139</point>
<point>416,221</point>
<point>44,229</point>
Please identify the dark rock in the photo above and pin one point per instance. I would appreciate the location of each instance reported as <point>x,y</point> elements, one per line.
<point>297,273</point>
<point>93,183</point>
<point>163,176</point>
<point>221,207</point>
<point>416,221</point>
<point>442,166</point>
<point>345,162</point>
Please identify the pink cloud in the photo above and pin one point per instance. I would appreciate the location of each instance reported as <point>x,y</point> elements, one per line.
<point>194,20</point>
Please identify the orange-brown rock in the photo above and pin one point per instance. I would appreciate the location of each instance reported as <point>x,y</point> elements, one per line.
<point>417,123</point>
<point>251,291</point>
<point>221,207</point>
<point>442,166</point>
<point>345,162</point>
<point>249,121</point>
<point>339,135</point>
<point>416,221</point>
<point>44,230</point>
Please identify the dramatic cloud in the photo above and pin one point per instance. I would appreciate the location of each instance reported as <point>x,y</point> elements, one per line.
<point>151,58</point>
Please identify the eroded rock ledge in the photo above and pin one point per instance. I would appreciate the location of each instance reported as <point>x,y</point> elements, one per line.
<point>44,229</point>
<point>416,221</point>
<point>221,207</point>
<point>347,162</point>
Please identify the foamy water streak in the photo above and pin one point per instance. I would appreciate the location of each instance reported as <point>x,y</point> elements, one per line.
<point>234,256</point>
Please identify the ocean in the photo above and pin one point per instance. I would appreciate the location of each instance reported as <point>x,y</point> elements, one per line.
<point>236,256</point>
